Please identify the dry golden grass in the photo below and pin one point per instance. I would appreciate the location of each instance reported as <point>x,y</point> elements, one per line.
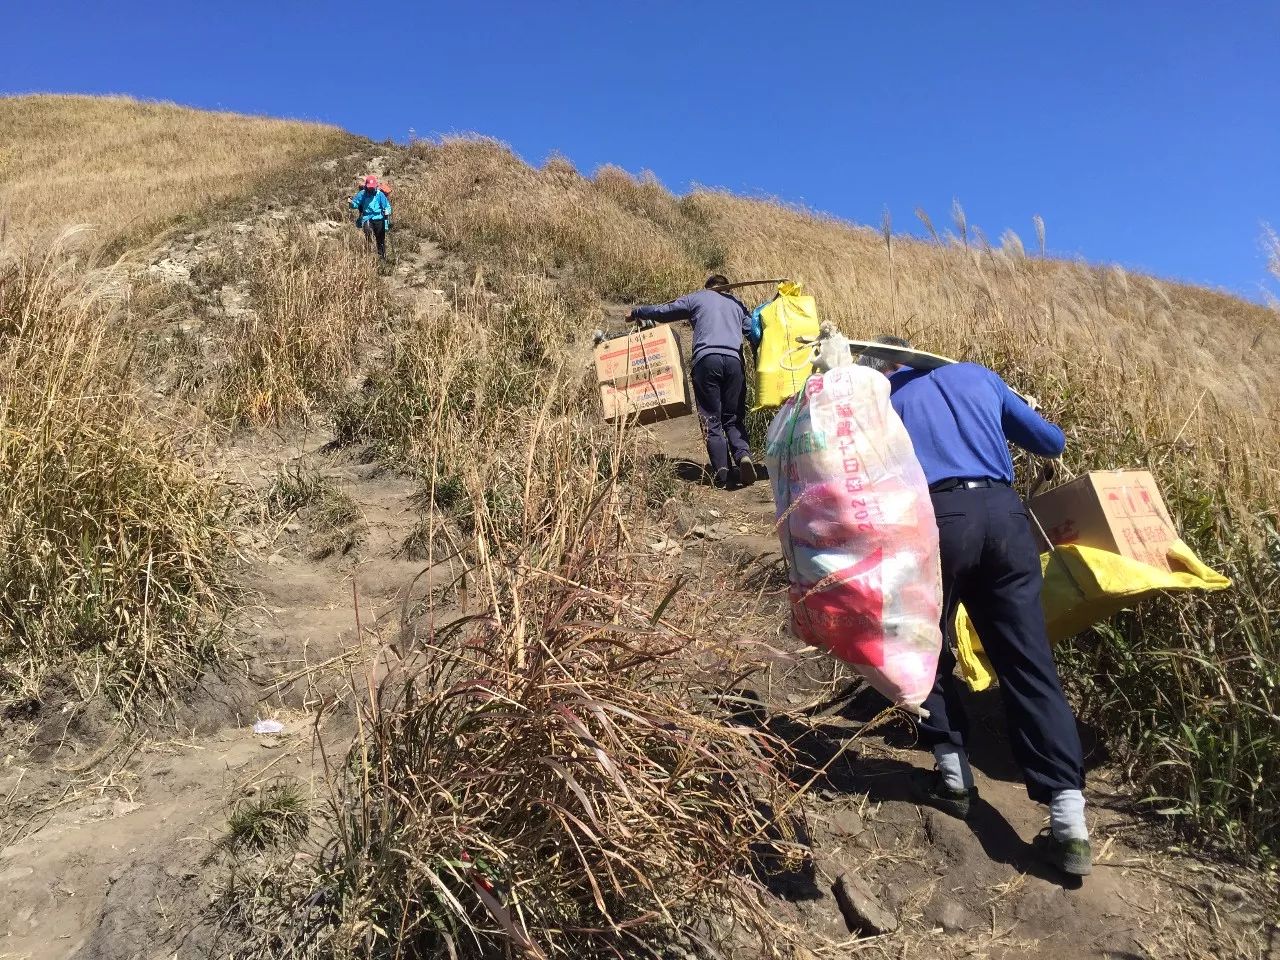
<point>1124,339</point>
<point>131,167</point>
<point>1140,372</point>
<point>110,547</point>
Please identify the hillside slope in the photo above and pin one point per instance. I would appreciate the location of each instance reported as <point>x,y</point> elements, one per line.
<point>516,652</point>
<point>130,167</point>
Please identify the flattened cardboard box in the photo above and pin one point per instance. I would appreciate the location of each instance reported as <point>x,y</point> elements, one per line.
<point>642,375</point>
<point>1120,511</point>
<point>636,354</point>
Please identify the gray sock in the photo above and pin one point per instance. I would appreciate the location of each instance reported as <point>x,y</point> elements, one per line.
<point>953,764</point>
<point>1066,815</point>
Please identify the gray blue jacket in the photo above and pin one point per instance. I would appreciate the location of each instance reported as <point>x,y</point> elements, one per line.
<point>720,321</point>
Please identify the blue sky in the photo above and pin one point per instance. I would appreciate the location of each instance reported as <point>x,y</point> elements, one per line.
<point>1145,133</point>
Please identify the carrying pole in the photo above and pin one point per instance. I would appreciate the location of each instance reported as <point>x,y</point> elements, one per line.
<point>747,283</point>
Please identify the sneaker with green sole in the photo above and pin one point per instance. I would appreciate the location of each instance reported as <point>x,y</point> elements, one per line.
<point>1074,857</point>
<point>928,788</point>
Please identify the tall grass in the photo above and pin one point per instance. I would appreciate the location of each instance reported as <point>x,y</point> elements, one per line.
<point>1141,373</point>
<point>312,302</point>
<point>109,547</point>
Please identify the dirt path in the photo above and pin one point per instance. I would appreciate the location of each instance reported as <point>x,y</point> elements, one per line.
<point>113,861</point>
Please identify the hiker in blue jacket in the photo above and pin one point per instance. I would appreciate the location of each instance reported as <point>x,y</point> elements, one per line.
<point>961,419</point>
<point>720,321</point>
<point>374,213</point>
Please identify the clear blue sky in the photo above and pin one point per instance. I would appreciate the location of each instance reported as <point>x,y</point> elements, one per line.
<point>1145,132</point>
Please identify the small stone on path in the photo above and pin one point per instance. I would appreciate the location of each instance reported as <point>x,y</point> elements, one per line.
<point>862,909</point>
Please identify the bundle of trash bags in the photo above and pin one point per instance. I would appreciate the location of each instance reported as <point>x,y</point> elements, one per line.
<point>858,532</point>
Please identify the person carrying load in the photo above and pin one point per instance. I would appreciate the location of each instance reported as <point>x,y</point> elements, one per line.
<point>720,321</point>
<point>960,418</point>
<point>373,213</point>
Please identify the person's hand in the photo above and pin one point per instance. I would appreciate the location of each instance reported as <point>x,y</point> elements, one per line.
<point>1033,403</point>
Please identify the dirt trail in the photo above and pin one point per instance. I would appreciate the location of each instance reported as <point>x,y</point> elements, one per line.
<point>116,866</point>
<point>107,838</point>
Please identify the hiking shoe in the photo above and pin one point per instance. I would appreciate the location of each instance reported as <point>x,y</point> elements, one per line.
<point>928,788</point>
<point>721,480</point>
<point>746,472</point>
<point>1070,856</point>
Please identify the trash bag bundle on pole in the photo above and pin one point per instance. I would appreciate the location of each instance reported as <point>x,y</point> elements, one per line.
<point>858,531</point>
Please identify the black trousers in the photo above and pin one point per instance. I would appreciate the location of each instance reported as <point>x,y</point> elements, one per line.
<point>378,229</point>
<point>720,389</point>
<point>991,564</point>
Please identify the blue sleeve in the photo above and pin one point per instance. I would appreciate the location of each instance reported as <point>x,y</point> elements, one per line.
<point>679,309</point>
<point>355,201</point>
<point>386,206</point>
<point>1025,427</point>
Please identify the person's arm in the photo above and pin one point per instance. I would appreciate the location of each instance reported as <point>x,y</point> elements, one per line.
<point>386,209</point>
<point>355,201</point>
<point>1025,427</point>
<point>678,309</point>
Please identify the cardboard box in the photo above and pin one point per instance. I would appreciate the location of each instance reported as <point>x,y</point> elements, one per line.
<point>642,375</point>
<point>1120,511</point>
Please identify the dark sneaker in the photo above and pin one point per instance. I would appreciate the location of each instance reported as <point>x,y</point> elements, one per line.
<point>928,788</point>
<point>721,480</point>
<point>1070,856</point>
<point>746,471</point>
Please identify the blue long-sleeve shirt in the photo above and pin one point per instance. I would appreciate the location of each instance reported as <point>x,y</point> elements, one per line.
<point>720,321</point>
<point>372,204</point>
<point>961,418</point>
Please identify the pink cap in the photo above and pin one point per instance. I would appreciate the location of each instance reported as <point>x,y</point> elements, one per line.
<point>370,181</point>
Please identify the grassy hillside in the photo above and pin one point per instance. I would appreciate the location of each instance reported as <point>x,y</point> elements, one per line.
<point>565,641</point>
<point>130,167</point>
<point>1140,372</point>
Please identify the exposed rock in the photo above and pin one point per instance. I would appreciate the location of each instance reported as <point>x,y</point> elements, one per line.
<point>1229,900</point>
<point>948,914</point>
<point>169,270</point>
<point>846,821</point>
<point>863,911</point>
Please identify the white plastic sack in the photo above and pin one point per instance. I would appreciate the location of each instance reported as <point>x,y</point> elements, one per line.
<point>858,531</point>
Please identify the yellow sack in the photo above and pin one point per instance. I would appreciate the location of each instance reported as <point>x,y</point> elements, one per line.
<point>782,365</point>
<point>1083,586</point>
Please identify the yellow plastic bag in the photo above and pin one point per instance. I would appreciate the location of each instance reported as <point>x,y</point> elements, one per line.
<point>782,365</point>
<point>1083,586</point>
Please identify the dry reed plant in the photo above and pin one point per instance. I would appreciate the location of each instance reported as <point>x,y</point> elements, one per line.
<point>543,774</point>
<point>132,167</point>
<point>109,547</point>
<point>313,301</point>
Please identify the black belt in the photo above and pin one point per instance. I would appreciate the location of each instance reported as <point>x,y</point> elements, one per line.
<point>954,483</point>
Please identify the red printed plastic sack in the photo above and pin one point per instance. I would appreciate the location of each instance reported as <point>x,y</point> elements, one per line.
<point>858,531</point>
